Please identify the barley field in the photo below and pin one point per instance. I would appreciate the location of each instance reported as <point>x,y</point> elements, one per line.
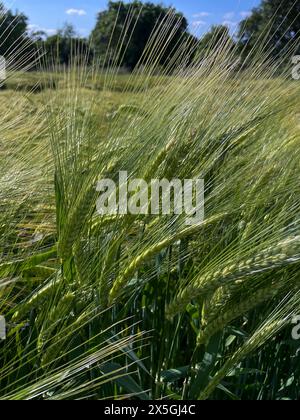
<point>146,307</point>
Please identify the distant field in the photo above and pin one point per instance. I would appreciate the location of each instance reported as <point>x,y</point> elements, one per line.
<point>37,81</point>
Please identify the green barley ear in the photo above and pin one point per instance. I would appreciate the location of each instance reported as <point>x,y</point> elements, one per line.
<point>283,254</point>
<point>77,222</point>
<point>257,298</point>
<point>155,249</point>
<point>38,297</point>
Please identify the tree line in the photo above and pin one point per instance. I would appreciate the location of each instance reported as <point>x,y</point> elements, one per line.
<point>127,27</point>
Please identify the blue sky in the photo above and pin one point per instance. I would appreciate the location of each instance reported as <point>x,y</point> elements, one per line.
<point>51,14</point>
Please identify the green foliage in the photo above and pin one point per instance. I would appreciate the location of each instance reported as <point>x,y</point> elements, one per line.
<point>216,38</point>
<point>14,42</point>
<point>123,31</point>
<point>60,48</point>
<point>276,21</point>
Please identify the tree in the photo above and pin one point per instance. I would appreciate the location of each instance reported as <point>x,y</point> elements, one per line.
<point>64,45</point>
<point>277,20</point>
<point>141,20</point>
<point>218,36</point>
<point>38,36</point>
<point>13,38</point>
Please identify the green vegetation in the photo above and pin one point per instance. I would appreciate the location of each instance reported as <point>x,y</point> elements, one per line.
<point>124,29</point>
<point>13,27</point>
<point>120,19</point>
<point>284,16</point>
<point>101,307</point>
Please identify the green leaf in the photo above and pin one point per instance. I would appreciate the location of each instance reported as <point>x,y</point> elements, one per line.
<point>173,375</point>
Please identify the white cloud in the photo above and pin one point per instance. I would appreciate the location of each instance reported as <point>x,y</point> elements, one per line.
<point>245,14</point>
<point>49,32</point>
<point>201,15</point>
<point>76,12</point>
<point>199,23</point>
<point>33,27</point>
<point>37,28</point>
<point>229,16</point>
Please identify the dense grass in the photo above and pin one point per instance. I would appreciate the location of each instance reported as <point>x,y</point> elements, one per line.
<point>35,82</point>
<point>146,307</point>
